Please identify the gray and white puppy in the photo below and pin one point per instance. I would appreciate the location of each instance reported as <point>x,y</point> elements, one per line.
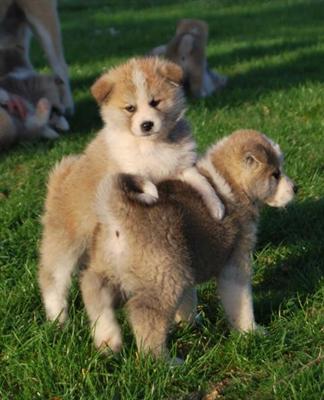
<point>155,255</point>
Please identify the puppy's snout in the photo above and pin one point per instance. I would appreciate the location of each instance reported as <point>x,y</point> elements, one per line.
<point>295,188</point>
<point>146,126</point>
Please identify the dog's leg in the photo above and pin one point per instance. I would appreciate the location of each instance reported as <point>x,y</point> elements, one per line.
<point>187,309</point>
<point>150,320</point>
<point>200,183</point>
<point>234,286</point>
<point>98,298</point>
<point>57,262</point>
<point>43,17</point>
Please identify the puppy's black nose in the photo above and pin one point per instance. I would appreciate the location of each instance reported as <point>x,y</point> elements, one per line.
<point>147,126</point>
<point>295,189</point>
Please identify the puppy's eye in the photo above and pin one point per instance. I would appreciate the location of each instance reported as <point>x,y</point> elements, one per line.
<point>276,175</point>
<point>154,103</point>
<point>130,108</point>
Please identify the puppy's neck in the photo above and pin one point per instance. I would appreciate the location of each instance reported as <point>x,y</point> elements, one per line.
<point>215,170</point>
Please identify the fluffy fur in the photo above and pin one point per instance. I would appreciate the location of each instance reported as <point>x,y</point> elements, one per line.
<point>142,106</point>
<point>188,49</point>
<point>41,97</point>
<point>154,255</point>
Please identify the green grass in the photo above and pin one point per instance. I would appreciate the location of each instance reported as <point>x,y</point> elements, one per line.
<point>273,53</point>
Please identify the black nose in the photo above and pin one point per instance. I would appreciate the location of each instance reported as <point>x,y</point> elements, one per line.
<point>295,188</point>
<point>147,126</point>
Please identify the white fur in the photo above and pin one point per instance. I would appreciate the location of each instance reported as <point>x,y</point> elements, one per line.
<point>200,183</point>
<point>223,187</point>
<point>55,297</point>
<point>284,193</point>
<point>144,112</point>
<point>152,159</point>
<point>236,297</point>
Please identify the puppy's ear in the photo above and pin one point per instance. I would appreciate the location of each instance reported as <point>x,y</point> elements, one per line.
<point>101,89</point>
<point>255,155</point>
<point>172,72</point>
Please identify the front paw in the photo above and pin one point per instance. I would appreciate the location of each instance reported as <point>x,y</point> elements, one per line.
<point>149,195</point>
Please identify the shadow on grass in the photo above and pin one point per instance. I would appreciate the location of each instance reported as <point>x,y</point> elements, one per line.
<point>299,230</point>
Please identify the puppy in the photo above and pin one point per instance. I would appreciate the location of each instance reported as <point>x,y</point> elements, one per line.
<point>142,106</point>
<point>188,49</point>
<point>40,101</point>
<point>154,255</point>
<point>17,18</point>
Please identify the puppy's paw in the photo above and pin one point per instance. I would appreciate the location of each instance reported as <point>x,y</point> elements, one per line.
<point>108,341</point>
<point>49,133</point>
<point>43,109</point>
<point>150,194</point>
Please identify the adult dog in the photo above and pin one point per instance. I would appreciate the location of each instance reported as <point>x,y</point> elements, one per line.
<point>17,18</point>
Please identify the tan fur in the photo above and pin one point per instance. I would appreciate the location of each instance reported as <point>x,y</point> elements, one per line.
<point>188,49</point>
<point>154,255</point>
<point>17,18</point>
<point>40,95</point>
<point>167,150</point>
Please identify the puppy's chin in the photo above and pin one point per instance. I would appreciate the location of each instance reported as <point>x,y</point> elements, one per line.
<point>284,193</point>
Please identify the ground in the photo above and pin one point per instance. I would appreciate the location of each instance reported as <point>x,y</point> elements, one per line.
<point>273,54</point>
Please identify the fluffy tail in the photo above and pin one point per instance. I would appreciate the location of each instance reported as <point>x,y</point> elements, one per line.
<point>118,192</point>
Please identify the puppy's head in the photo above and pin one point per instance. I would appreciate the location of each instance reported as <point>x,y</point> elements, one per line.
<point>143,97</point>
<point>254,164</point>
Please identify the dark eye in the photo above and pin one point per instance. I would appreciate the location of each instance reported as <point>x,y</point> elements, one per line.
<point>130,108</point>
<point>154,103</point>
<point>276,175</point>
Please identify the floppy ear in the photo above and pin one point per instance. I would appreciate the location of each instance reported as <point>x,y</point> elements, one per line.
<point>172,72</point>
<point>101,89</point>
<point>255,155</point>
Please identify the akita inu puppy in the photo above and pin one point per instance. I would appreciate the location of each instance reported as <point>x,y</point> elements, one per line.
<point>155,255</point>
<point>142,106</point>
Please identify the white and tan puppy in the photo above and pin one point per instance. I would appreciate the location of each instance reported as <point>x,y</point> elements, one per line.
<point>154,255</point>
<point>142,106</point>
<point>17,19</point>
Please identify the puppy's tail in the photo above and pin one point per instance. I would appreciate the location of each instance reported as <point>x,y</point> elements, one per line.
<point>8,133</point>
<point>117,193</point>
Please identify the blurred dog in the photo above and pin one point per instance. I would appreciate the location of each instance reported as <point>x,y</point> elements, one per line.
<point>142,106</point>
<point>17,18</point>
<point>154,255</point>
<point>38,100</point>
<point>188,49</point>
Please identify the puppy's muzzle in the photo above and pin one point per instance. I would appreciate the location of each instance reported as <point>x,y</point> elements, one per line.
<point>147,126</point>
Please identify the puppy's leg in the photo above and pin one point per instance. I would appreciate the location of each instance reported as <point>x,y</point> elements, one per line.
<point>150,320</point>
<point>57,262</point>
<point>234,286</point>
<point>200,183</point>
<point>187,309</point>
<point>98,298</point>
<point>43,17</point>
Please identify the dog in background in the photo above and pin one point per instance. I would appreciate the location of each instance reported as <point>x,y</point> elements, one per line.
<point>154,255</point>
<point>142,105</point>
<point>17,18</point>
<point>188,49</point>
<point>30,108</point>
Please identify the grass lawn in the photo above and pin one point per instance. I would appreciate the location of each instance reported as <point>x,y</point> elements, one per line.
<point>273,54</point>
